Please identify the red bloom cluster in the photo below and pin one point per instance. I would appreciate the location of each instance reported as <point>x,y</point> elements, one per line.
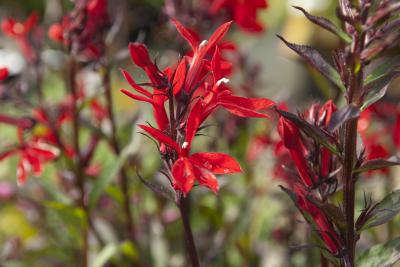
<point>82,30</point>
<point>376,123</point>
<point>244,13</point>
<point>20,32</point>
<point>192,96</point>
<point>312,174</point>
<point>33,153</point>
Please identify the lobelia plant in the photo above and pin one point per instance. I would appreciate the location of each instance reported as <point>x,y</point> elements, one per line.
<point>323,142</point>
<point>192,90</point>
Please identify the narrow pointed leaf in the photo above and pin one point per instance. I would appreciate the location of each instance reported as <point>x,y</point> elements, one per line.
<point>160,136</point>
<point>383,70</point>
<point>326,24</point>
<point>313,57</point>
<point>377,89</point>
<point>384,211</point>
<point>382,255</point>
<point>376,164</point>
<point>187,34</point>
<point>339,117</point>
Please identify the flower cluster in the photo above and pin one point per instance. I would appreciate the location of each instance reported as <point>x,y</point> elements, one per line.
<point>22,33</point>
<point>315,165</point>
<point>82,30</point>
<point>192,95</point>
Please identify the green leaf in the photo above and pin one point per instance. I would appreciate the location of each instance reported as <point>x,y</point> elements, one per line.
<point>105,255</point>
<point>321,137</point>
<point>313,57</point>
<point>383,70</point>
<point>376,164</point>
<point>327,25</point>
<point>384,211</point>
<point>111,169</point>
<point>382,255</point>
<point>377,89</point>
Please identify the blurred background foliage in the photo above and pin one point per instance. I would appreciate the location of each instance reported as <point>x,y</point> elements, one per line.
<point>249,223</point>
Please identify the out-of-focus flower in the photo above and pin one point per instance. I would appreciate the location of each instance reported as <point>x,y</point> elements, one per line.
<point>244,13</point>
<point>83,29</point>
<point>3,74</point>
<point>33,155</point>
<point>20,32</point>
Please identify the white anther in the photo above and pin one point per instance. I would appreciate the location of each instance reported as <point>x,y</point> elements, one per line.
<point>203,43</point>
<point>223,80</point>
<point>185,145</point>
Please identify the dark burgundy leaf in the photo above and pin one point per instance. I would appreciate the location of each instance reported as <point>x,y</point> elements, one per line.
<point>313,57</point>
<point>376,164</point>
<point>326,24</point>
<point>343,115</point>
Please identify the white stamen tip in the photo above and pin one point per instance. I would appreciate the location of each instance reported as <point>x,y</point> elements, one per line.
<point>185,145</point>
<point>203,43</point>
<point>223,80</point>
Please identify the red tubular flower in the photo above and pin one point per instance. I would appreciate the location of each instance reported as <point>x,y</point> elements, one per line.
<point>291,138</point>
<point>20,32</point>
<point>324,227</point>
<point>244,13</point>
<point>82,29</point>
<point>33,155</point>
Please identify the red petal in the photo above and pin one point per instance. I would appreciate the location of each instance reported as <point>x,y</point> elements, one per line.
<point>22,171</point>
<point>241,111</point>
<point>183,175</point>
<point>217,163</point>
<point>139,54</point>
<point>206,178</point>
<point>31,22</point>
<point>180,76</point>
<point>3,74</point>
<point>134,85</point>
<point>136,97</point>
<point>187,34</point>
<point>289,134</point>
<point>216,65</point>
<point>193,123</point>
<point>246,102</point>
<point>160,136</point>
<point>218,34</point>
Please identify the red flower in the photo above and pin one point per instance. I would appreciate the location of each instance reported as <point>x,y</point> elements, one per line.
<point>20,32</point>
<point>324,226</point>
<point>82,29</point>
<point>33,155</point>
<point>244,13</point>
<point>292,140</point>
<point>192,96</point>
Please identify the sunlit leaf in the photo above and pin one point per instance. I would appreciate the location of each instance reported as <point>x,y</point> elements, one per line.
<point>382,255</point>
